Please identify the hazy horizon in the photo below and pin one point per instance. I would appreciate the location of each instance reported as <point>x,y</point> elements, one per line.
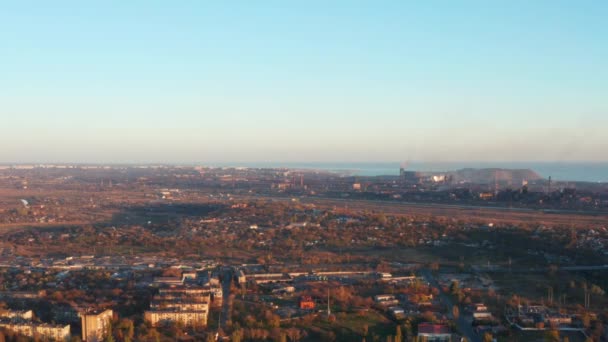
<point>213,163</point>
<point>559,171</point>
<point>141,82</point>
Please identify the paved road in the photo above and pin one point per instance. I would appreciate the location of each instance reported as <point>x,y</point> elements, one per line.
<point>463,322</point>
<point>226,282</point>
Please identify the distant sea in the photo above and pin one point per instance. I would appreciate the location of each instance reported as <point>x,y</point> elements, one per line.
<point>560,171</point>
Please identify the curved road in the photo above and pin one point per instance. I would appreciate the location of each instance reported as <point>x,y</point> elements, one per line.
<point>463,323</point>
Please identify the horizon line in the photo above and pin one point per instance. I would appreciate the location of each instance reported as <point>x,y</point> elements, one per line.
<point>245,163</point>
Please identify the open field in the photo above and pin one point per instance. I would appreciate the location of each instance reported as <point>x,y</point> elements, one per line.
<point>352,326</point>
<point>539,336</point>
<point>497,215</point>
<point>463,212</point>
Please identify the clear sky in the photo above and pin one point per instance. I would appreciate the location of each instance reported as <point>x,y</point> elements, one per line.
<point>248,81</point>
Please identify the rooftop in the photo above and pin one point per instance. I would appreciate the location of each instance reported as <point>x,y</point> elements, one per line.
<point>430,328</point>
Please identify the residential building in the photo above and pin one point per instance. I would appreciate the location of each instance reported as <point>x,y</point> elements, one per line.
<point>187,305</point>
<point>173,315</point>
<point>434,332</point>
<point>37,330</point>
<point>306,303</point>
<point>383,298</point>
<point>24,314</point>
<point>95,324</point>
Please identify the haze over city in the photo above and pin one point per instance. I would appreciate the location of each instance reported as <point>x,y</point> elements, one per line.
<point>209,82</point>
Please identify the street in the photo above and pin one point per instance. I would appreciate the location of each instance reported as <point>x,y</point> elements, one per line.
<point>463,323</point>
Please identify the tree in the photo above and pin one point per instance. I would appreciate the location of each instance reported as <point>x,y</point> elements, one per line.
<point>455,311</point>
<point>236,336</point>
<point>487,337</point>
<point>454,287</point>
<point>398,337</point>
<point>428,316</point>
<point>586,319</point>
<point>329,336</point>
<point>552,336</point>
<point>127,329</point>
<point>109,335</point>
<point>294,334</point>
<point>109,338</point>
<point>597,290</point>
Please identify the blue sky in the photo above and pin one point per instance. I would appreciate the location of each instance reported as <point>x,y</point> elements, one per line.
<point>249,81</point>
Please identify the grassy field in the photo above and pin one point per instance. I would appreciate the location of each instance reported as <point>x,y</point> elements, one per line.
<point>351,326</point>
<point>539,336</point>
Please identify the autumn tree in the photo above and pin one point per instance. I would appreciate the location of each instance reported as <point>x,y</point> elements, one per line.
<point>552,336</point>
<point>455,312</point>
